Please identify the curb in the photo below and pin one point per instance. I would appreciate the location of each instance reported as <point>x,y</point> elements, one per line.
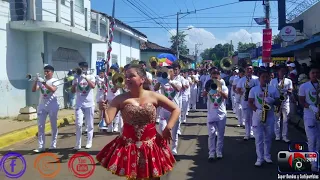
<point>14,137</point>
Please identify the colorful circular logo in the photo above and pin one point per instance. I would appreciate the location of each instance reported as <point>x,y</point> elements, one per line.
<point>82,165</point>
<point>48,165</point>
<point>13,164</point>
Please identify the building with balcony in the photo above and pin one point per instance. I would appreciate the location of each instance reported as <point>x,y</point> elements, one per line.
<point>125,45</point>
<point>38,32</point>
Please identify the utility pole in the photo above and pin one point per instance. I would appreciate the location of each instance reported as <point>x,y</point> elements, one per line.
<point>267,9</point>
<point>196,51</point>
<point>177,36</point>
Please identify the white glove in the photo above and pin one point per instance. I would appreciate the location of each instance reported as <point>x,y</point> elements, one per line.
<point>269,100</point>
<point>83,76</point>
<point>258,112</point>
<point>314,109</point>
<point>284,91</point>
<point>40,79</point>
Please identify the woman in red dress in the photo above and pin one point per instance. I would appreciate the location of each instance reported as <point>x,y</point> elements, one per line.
<point>139,152</point>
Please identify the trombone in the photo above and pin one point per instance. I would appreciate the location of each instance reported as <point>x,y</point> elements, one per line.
<point>30,77</point>
<point>154,63</point>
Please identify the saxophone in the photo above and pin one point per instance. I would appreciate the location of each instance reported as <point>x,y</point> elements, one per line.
<point>247,87</point>
<point>265,106</point>
<point>318,101</point>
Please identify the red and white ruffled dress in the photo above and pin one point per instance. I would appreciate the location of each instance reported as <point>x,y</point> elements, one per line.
<point>140,152</point>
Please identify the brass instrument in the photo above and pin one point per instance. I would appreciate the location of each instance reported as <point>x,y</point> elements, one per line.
<point>153,72</point>
<point>79,71</point>
<point>318,101</point>
<point>154,63</point>
<point>226,63</point>
<point>135,62</point>
<point>111,72</point>
<point>30,77</point>
<point>216,85</point>
<point>193,79</point>
<point>121,69</point>
<point>247,87</point>
<point>182,64</point>
<point>118,80</point>
<point>265,107</point>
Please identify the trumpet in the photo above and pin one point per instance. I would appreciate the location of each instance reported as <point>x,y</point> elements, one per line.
<point>135,62</point>
<point>153,72</point>
<point>226,64</point>
<point>29,77</point>
<point>79,71</point>
<point>282,96</point>
<point>265,106</point>
<point>118,80</point>
<point>247,87</point>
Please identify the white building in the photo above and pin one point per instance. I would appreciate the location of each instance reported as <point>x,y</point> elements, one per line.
<point>125,45</point>
<point>55,32</point>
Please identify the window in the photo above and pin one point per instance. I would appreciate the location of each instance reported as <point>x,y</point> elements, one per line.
<point>79,6</point>
<point>100,56</point>
<point>128,60</point>
<point>114,58</point>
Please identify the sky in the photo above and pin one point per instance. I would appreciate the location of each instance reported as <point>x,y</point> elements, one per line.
<point>208,27</point>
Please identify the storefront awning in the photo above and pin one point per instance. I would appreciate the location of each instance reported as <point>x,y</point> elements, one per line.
<point>313,40</point>
<point>287,51</point>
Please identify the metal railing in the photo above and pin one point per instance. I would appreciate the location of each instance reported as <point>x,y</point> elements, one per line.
<point>62,11</point>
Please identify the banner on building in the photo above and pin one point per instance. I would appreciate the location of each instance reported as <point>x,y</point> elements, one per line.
<point>281,60</point>
<point>267,45</point>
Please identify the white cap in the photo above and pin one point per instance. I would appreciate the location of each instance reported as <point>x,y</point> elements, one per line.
<point>291,65</point>
<point>237,70</point>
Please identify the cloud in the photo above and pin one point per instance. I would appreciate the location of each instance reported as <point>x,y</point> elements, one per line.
<point>208,39</point>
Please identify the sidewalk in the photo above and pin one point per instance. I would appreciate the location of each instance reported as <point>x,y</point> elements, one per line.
<point>13,131</point>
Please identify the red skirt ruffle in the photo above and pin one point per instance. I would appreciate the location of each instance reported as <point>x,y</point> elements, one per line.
<point>137,160</point>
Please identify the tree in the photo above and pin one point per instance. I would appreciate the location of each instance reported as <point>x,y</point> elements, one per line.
<point>183,49</point>
<point>244,47</point>
<point>218,52</point>
<point>276,39</point>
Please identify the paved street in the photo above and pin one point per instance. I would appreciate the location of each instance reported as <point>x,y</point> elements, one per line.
<point>238,161</point>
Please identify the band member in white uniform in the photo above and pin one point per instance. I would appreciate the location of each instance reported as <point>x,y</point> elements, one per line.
<point>197,76</point>
<point>185,93</point>
<point>260,96</point>
<point>237,101</point>
<point>149,75</point>
<point>177,77</point>
<point>309,98</point>
<point>203,80</point>
<point>112,93</point>
<point>155,79</point>
<point>48,105</point>
<point>171,89</point>
<point>243,87</point>
<point>194,97</point>
<point>101,92</point>
<point>231,79</point>
<point>83,86</point>
<point>217,115</point>
<point>284,86</point>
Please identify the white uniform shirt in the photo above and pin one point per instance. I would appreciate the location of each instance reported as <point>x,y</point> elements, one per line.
<point>84,92</point>
<point>170,92</point>
<point>232,78</point>
<point>149,76</point>
<point>179,79</point>
<point>195,86</point>
<point>186,92</point>
<point>110,94</point>
<point>234,83</point>
<point>287,85</point>
<point>254,81</point>
<point>217,106</point>
<point>101,89</point>
<point>309,92</point>
<point>257,93</point>
<point>48,99</point>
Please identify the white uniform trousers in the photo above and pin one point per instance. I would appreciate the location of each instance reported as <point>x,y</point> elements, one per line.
<point>88,114</point>
<point>247,113</point>
<point>313,137</point>
<point>277,124</point>
<point>193,99</point>
<point>165,115</point>
<point>198,93</point>
<point>42,117</point>
<point>116,124</point>
<point>263,139</point>
<point>184,109</point>
<point>216,130</point>
<point>233,103</point>
<point>179,124</point>
<point>240,117</point>
<point>204,98</point>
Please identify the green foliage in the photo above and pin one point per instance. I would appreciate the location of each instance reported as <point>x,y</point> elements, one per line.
<point>218,52</point>
<point>183,49</point>
<point>244,47</point>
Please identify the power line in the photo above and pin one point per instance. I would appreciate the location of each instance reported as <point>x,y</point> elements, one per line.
<point>209,27</point>
<point>241,23</point>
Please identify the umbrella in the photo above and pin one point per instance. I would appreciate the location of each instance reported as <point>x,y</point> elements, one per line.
<point>167,56</point>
